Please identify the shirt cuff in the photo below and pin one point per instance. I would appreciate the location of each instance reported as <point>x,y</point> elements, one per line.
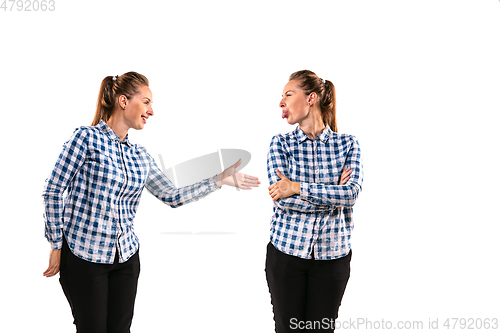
<point>213,184</point>
<point>56,245</point>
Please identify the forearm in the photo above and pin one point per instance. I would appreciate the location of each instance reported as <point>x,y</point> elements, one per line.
<point>330,195</point>
<point>53,204</point>
<point>175,197</point>
<point>295,203</point>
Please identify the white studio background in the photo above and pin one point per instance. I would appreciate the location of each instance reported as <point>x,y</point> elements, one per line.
<point>417,83</point>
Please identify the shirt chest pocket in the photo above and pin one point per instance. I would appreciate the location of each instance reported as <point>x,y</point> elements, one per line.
<point>102,169</point>
<point>300,171</point>
<point>331,174</point>
<point>332,170</point>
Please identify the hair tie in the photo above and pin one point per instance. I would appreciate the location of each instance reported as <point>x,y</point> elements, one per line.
<point>323,81</point>
<point>115,77</point>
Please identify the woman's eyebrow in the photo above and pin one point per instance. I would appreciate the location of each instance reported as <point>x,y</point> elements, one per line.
<point>286,92</point>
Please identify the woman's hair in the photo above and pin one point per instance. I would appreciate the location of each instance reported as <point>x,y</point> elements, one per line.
<point>309,82</point>
<point>127,84</point>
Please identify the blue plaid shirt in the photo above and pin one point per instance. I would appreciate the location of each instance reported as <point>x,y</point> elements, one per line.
<point>321,217</point>
<point>103,178</point>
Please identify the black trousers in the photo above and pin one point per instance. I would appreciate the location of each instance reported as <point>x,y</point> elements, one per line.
<point>305,293</point>
<point>101,296</point>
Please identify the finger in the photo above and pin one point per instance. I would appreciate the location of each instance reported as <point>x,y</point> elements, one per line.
<point>255,179</point>
<point>237,164</point>
<point>346,172</point>
<point>280,174</point>
<point>276,192</point>
<point>48,270</point>
<point>252,183</point>
<point>251,179</point>
<point>344,181</point>
<point>243,185</point>
<point>273,185</point>
<point>51,271</point>
<point>248,180</point>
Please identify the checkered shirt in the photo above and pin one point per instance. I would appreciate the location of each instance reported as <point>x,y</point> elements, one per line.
<point>93,193</point>
<point>320,218</point>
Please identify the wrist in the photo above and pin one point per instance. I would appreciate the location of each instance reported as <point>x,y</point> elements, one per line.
<point>296,187</point>
<point>218,179</point>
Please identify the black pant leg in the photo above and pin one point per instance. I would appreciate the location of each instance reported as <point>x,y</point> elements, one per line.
<point>122,291</point>
<point>327,281</point>
<point>85,285</point>
<point>287,280</point>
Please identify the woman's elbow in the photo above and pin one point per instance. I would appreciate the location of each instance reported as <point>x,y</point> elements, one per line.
<point>172,203</point>
<point>351,197</point>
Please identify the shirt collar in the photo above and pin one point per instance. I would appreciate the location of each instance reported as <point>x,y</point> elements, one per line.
<point>111,134</point>
<point>323,136</point>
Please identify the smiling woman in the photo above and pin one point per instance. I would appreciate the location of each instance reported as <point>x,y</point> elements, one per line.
<point>125,86</point>
<point>91,228</point>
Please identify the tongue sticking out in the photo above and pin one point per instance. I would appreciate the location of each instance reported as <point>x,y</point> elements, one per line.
<point>284,115</point>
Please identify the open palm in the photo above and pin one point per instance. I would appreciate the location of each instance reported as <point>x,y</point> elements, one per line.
<point>238,179</point>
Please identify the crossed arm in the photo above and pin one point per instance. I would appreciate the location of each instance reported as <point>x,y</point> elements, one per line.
<point>313,197</point>
<point>286,188</point>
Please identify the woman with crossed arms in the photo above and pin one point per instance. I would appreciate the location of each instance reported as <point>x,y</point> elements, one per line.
<point>308,257</point>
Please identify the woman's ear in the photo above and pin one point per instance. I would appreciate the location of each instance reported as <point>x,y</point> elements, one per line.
<point>313,97</point>
<point>122,101</point>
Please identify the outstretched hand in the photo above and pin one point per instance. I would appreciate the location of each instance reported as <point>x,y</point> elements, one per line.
<point>237,179</point>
